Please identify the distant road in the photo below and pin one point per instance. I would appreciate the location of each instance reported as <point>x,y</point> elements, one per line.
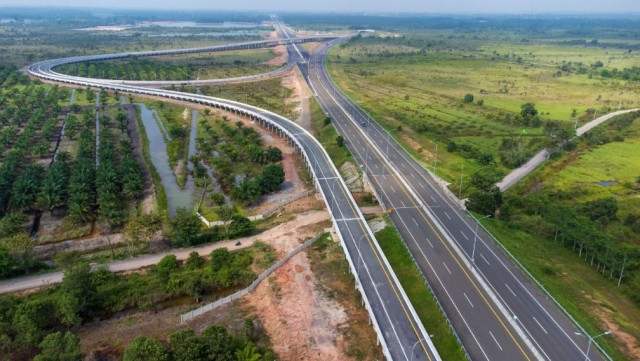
<point>520,172</point>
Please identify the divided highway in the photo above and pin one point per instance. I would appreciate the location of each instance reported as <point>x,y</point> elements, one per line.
<point>400,331</point>
<point>496,310</point>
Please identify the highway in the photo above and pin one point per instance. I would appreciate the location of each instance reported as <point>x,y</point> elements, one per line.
<point>497,311</point>
<point>400,332</point>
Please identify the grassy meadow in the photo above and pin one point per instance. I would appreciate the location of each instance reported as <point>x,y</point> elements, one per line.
<point>418,82</point>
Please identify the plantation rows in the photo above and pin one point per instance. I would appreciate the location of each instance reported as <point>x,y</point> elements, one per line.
<point>132,69</point>
<point>31,181</point>
<point>29,126</point>
<point>91,192</point>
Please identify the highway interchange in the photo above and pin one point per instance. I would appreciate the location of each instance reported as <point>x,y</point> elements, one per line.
<point>398,327</point>
<point>494,308</point>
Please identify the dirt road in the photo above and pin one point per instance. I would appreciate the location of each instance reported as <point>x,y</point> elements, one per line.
<point>271,235</point>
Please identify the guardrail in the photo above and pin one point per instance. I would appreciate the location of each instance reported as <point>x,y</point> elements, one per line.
<point>223,301</point>
<point>299,138</point>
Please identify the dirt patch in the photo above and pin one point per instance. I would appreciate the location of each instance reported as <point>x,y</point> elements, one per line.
<point>629,344</point>
<point>302,323</point>
<point>300,95</point>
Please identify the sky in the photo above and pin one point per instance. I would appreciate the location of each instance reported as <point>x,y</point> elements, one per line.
<point>368,6</point>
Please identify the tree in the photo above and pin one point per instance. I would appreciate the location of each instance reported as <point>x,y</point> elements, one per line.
<point>67,259</point>
<point>271,178</point>
<point>248,192</point>
<point>528,110</point>
<point>220,344</point>
<point>241,226</point>
<point>141,228</point>
<point>220,258</point>
<point>78,294</point>
<point>185,227</point>
<point>603,208</point>
<point>26,188</point>
<point>145,348</point>
<point>195,261</point>
<point>186,346</point>
<point>485,202</point>
<point>5,262</point>
<point>485,178</point>
<point>167,265</point>
<point>53,191</point>
<point>32,318</point>
<point>20,248</point>
<point>90,95</point>
<point>468,98</point>
<point>58,347</point>
<point>529,115</point>
<point>121,117</point>
<point>248,353</point>
<point>340,141</point>
<point>273,154</point>
<point>512,153</point>
<point>12,223</point>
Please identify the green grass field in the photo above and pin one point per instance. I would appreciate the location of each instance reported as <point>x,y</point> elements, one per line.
<point>422,90</point>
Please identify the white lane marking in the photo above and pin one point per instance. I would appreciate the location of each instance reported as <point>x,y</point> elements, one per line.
<point>464,235</point>
<point>494,338</point>
<point>421,185</point>
<point>545,331</point>
<point>468,300</point>
<point>446,291</point>
<point>510,290</point>
<point>445,266</point>
<point>392,189</point>
<point>434,200</point>
<point>404,205</point>
<point>446,214</point>
<point>481,255</point>
<point>431,244</point>
<point>414,221</point>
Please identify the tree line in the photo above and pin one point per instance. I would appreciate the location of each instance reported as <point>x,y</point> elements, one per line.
<point>35,322</point>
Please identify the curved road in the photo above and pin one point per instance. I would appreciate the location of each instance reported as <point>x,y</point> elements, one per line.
<point>394,319</point>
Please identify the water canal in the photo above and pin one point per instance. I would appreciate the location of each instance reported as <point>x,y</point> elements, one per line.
<point>176,197</point>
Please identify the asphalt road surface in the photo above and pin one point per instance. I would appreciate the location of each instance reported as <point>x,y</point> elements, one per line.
<point>496,310</point>
<point>399,329</point>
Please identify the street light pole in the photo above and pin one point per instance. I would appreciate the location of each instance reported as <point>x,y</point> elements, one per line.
<point>414,346</point>
<point>435,160</point>
<point>475,237</point>
<point>359,256</point>
<point>586,355</point>
<point>460,192</point>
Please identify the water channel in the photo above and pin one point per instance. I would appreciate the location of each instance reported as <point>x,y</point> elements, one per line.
<point>176,197</point>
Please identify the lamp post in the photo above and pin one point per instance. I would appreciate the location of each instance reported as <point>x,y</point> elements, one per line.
<point>460,192</point>
<point>435,160</point>
<point>388,139</point>
<point>414,346</point>
<point>359,255</point>
<point>586,355</point>
<point>475,237</point>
